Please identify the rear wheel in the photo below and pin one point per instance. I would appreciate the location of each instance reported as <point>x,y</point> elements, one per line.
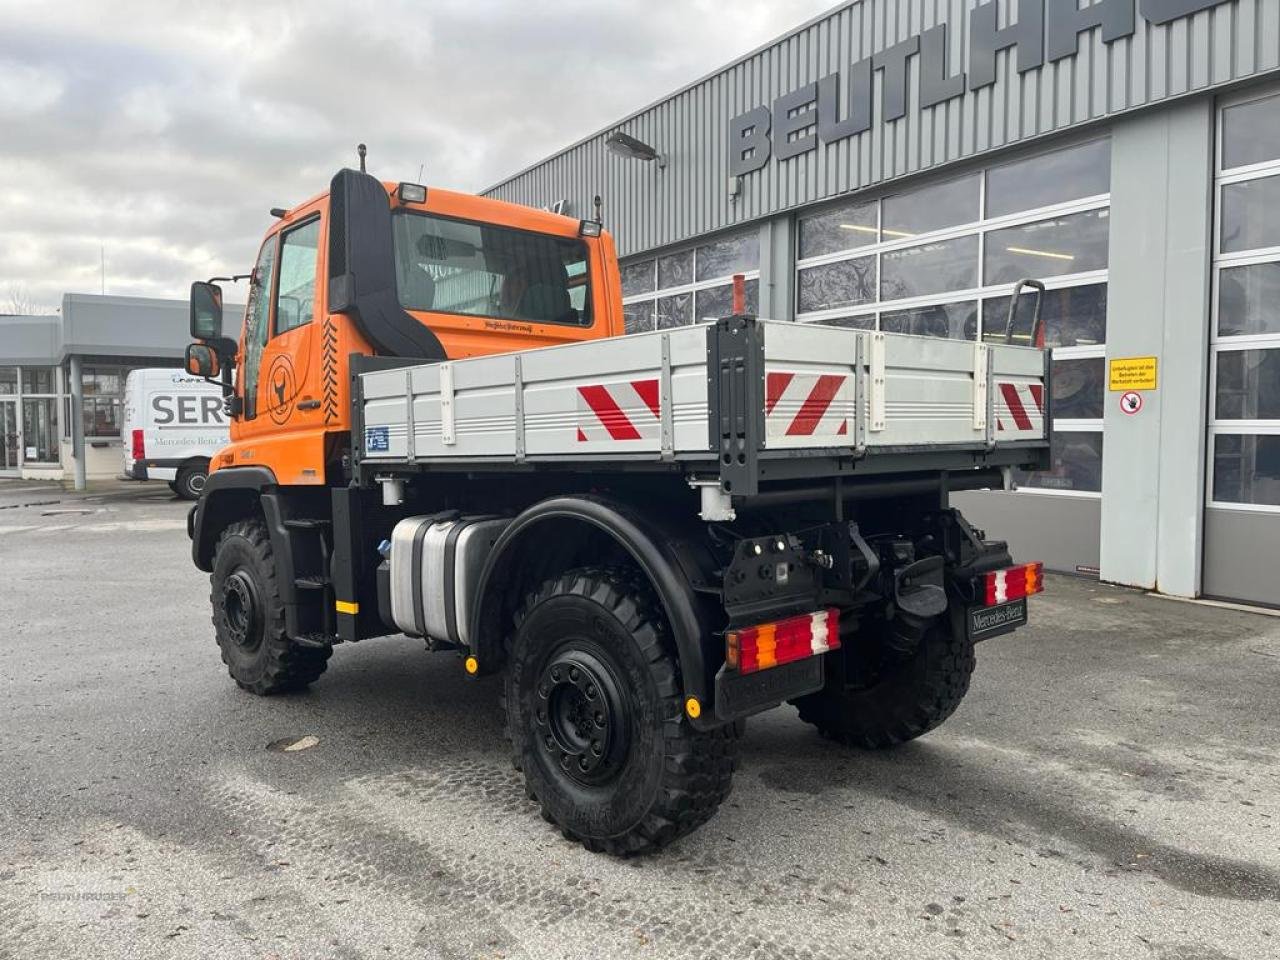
<point>877,696</point>
<point>248,616</point>
<point>596,722</point>
<point>190,481</point>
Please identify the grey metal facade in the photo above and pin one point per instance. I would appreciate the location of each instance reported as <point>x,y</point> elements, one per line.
<point>647,206</point>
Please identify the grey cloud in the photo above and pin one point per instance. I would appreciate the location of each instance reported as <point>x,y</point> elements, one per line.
<point>165,139</point>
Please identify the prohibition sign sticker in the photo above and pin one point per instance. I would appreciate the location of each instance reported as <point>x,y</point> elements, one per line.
<point>1131,402</point>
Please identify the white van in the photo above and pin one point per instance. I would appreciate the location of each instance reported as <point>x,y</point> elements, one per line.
<point>173,425</point>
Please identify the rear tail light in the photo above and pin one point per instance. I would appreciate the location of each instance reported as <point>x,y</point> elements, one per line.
<point>139,445</point>
<point>1013,583</point>
<point>772,644</point>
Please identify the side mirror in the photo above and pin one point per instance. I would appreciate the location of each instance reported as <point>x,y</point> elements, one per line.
<point>206,311</point>
<point>202,361</point>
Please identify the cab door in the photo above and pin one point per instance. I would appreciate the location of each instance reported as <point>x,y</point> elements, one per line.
<point>288,385</point>
<point>282,421</point>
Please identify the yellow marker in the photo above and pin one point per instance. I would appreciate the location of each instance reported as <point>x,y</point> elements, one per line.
<point>693,708</point>
<point>346,606</point>
<point>472,665</point>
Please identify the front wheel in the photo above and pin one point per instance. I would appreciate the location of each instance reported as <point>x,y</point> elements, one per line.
<point>596,722</point>
<point>877,697</point>
<point>248,616</point>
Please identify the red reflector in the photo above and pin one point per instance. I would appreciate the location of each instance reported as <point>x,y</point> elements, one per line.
<point>139,446</point>
<point>1012,583</point>
<point>782,641</point>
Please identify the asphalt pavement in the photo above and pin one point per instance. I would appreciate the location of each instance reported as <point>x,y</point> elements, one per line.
<point>1109,788</point>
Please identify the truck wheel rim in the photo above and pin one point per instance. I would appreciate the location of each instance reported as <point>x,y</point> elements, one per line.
<point>240,609</point>
<point>195,483</point>
<point>583,721</point>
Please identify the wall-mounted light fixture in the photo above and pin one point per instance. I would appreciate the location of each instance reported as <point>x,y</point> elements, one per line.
<point>625,145</point>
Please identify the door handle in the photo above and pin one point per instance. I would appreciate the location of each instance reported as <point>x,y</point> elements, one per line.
<point>309,405</point>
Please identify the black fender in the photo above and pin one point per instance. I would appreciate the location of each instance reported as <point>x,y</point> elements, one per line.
<point>229,494</point>
<point>664,549</point>
<point>238,493</point>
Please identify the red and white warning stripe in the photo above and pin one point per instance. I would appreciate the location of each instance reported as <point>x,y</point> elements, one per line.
<point>619,412</point>
<point>807,405</point>
<point>1019,409</point>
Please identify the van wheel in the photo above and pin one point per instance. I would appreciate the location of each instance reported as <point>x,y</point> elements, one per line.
<point>190,481</point>
<point>248,616</point>
<point>596,722</point>
<point>876,697</point>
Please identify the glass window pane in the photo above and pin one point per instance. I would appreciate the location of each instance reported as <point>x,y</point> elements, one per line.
<point>1248,385</point>
<point>101,417</point>
<point>1081,171</point>
<point>1251,133</point>
<point>8,379</point>
<point>255,332</point>
<point>865,322</point>
<point>1073,317</point>
<point>848,283</point>
<point>841,228</point>
<point>1246,469</point>
<point>37,380</point>
<point>675,269</point>
<point>718,301</point>
<point>1075,463</point>
<point>930,268</point>
<point>478,269</point>
<point>637,277</point>
<point>40,430</point>
<point>1248,214</point>
<point>957,321</point>
<point>638,317</point>
<point>1049,248</point>
<point>675,311</point>
<point>296,293</point>
<point>1249,299</point>
<point>739,253</point>
<point>1079,388</point>
<point>931,208</point>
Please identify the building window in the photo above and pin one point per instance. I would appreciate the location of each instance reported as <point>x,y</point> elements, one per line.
<point>941,261</point>
<point>694,284</point>
<point>103,395</point>
<point>40,429</point>
<point>1244,415</point>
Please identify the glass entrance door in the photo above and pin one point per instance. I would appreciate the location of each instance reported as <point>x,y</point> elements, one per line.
<point>10,442</point>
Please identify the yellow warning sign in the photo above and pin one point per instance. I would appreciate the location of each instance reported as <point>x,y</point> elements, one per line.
<point>1132,373</point>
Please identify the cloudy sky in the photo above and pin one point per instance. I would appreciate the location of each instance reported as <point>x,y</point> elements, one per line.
<point>165,139</point>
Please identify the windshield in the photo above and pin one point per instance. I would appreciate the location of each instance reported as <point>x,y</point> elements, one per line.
<point>452,266</point>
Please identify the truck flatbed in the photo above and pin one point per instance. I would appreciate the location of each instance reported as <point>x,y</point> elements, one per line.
<point>743,400</point>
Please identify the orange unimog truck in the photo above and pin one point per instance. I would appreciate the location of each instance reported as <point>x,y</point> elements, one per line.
<point>439,429</point>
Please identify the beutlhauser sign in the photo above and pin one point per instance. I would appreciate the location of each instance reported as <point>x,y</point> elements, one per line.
<point>1046,31</point>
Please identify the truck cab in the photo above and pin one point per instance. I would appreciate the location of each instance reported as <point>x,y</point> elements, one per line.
<point>454,276</point>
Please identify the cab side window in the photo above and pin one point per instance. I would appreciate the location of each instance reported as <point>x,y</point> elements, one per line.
<point>258,323</point>
<point>295,296</point>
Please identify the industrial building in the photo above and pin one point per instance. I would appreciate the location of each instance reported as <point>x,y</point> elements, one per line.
<point>900,164</point>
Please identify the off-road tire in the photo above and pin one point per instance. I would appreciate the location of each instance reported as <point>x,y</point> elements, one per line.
<point>190,481</point>
<point>670,778</point>
<point>909,696</point>
<point>248,616</point>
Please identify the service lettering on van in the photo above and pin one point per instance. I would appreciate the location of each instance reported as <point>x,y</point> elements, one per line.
<point>181,411</point>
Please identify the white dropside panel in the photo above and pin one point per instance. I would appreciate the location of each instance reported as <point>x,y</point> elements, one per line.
<point>810,386</point>
<point>637,395</point>
<point>1018,382</point>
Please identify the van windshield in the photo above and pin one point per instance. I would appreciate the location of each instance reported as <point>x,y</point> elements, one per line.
<point>481,270</point>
